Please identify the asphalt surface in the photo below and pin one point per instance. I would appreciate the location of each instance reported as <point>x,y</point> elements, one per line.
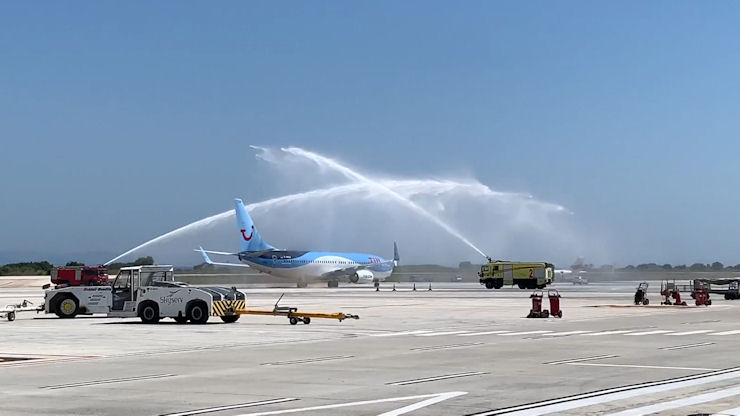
<point>456,350</point>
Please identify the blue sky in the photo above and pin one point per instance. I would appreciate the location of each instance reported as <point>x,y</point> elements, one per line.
<point>123,120</point>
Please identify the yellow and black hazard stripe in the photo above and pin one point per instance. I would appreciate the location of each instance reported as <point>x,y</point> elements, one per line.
<point>227,307</point>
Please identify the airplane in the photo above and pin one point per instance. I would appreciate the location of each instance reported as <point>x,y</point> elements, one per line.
<point>302,266</point>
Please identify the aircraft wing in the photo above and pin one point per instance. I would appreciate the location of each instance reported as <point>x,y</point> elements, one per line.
<point>209,261</point>
<point>349,271</point>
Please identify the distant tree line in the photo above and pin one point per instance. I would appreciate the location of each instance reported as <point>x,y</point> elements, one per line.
<point>654,267</point>
<point>43,268</point>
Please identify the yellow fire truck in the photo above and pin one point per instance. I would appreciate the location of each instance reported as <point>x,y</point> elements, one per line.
<point>526,275</point>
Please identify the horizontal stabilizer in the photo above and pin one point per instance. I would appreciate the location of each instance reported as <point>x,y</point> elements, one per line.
<point>209,261</point>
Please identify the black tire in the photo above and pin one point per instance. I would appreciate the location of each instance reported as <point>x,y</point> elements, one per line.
<point>683,303</point>
<point>545,313</point>
<point>181,319</point>
<point>709,302</point>
<point>498,283</point>
<point>560,314</point>
<point>293,320</point>
<point>11,316</point>
<point>230,319</point>
<point>727,296</point>
<point>67,307</point>
<point>541,286</point>
<point>197,313</point>
<point>522,285</point>
<point>646,302</point>
<point>307,320</point>
<point>332,283</point>
<point>489,284</point>
<point>149,313</point>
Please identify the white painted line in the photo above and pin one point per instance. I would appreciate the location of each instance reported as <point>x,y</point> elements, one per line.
<point>657,331</point>
<point>447,396</point>
<point>680,347</point>
<point>310,360</point>
<point>446,347</point>
<point>562,405</point>
<point>559,334</point>
<point>108,381</point>
<point>524,333</point>
<point>576,360</point>
<point>395,334</point>
<point>436,378</point>
<point>230,407</point>
<point>698,331</point>
<point>737,331</point>
<point>428,402</point>
<point>436,334</point>
<point>676,404</point>
<point>473,334</point>
<point>595,334</point>
<point>644,366</point>
<point>729,412</point>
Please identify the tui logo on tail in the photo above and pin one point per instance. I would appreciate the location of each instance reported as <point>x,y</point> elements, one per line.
<point>244,235</point>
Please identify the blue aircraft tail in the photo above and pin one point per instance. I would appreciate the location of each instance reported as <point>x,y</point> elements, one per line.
<point>248,235</point>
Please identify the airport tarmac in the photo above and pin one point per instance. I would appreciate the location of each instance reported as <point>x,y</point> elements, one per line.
<point>456,350</point>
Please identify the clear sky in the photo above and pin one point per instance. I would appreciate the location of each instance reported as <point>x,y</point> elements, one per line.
<point>123,120</point>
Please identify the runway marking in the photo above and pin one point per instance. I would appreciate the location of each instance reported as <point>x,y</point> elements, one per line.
<point>657,331</point>
<point>430,400</point>
<point>435,334</point>
<point>310,360</point>
<point>619,331</point>
<point>563,404</point>
<point>444,347</point>
<point>676,404</point>
<point>229,407</point>
<point>575,360</point>
<point>644,366</point>
<point>737,331</point>
<point>562,334</point>
<point>394,334</point>
<point>524,333</point>
<point>435,378</point>
<point>698,331</point>
<point>729,412</point>
<point>108,381</point>
<point>680,347</point>
<point>472,334</point>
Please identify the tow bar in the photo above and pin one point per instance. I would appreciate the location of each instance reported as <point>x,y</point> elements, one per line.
<point>294,316</point>
<point>25,306</point>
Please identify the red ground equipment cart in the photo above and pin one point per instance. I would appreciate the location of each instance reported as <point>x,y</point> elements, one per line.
<point>701,294</point>
<point>670,290</point>
<point>536,311</point>
<point>554,297</point>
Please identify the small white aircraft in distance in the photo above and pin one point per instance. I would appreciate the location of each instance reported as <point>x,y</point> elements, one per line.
<point>302,266</point>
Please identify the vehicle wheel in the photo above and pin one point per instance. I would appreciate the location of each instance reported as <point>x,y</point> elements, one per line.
<point>727,296</point>
<point>522,285</point>
<point>198,313</point>
<point>181,320</point>
<point>332,283</point>
<point>11,316</point>
<point>489,284</point>
<point>646,302</point>
<point>709,302</point>
<point>498,283</point>
<point>149,313</point>
<point>560,314</point>
<point>541,286</point>
<point>230,319</point>
<point>67,308</point>
<point>293,320</point>
<point>683,303</point>
<point>545,313</point>
<point>307,320</point>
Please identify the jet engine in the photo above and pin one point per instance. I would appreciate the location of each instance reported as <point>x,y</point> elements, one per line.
<point>361,276</point>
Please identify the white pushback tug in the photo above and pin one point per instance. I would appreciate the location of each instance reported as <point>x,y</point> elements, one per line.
<point>150,293</point>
